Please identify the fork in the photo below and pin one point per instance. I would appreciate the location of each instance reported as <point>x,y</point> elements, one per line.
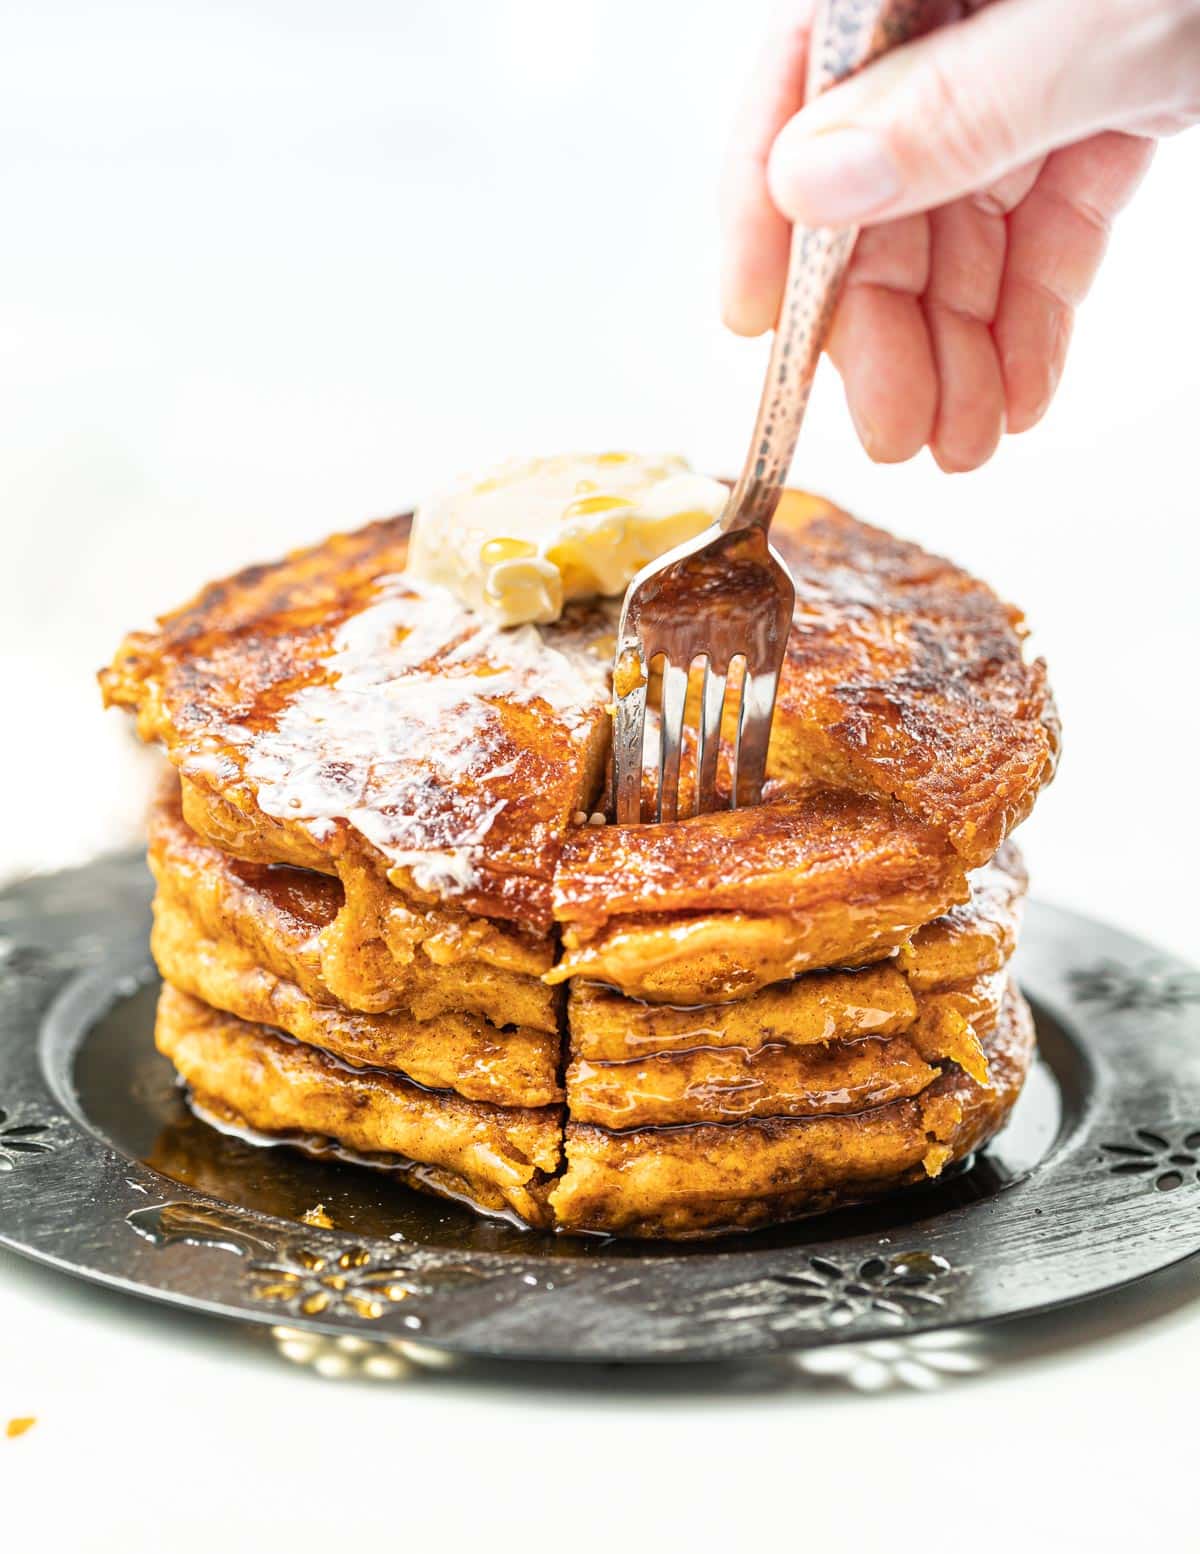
<point>724,599</point>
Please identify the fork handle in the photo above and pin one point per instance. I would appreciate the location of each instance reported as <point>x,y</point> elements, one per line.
<point>847,35</point>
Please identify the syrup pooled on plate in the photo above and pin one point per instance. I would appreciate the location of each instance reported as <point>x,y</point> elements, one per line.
<point>857,1029</point>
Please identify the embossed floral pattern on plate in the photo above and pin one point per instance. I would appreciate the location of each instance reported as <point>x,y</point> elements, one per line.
<point>1119,989</point>
<point>1169,1156</point>
<point>317,1282</point>
<point>21,1140</point>
<point>828,1293</point>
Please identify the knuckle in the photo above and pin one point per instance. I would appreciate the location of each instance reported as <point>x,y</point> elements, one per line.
<point>971,128</point>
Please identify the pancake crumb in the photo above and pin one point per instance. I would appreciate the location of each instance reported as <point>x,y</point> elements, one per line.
<point>629,675</point>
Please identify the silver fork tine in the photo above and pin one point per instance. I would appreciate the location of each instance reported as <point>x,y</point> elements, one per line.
<point>674,696</point>
<point>754,732</point>
<point>629,733</point>
<point>712,704</point>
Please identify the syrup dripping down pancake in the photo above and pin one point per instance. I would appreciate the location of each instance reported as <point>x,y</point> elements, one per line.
<point>674,1182</point>
<point>449,1051</point>
<point>245,1074</point>
<point>326,713</point>
<point>351,941</point>
<point>707,1179</point>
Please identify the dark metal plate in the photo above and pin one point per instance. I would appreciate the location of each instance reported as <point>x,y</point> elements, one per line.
<point>105,1174</point>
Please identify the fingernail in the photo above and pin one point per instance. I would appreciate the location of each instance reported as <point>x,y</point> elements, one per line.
<point>745,315</point>
<point>833,179</point>
<point>867,434</point>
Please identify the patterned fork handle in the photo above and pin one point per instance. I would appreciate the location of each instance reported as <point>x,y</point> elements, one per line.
<point>846,36</point>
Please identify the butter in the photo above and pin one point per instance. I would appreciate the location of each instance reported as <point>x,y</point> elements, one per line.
<point>519,542</point>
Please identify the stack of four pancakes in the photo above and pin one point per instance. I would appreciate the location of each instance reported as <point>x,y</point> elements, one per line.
<point>378,870</point>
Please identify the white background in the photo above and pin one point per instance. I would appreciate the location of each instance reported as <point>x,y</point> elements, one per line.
<point>270,269</point>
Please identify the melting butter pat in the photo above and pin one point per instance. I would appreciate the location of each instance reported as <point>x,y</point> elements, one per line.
<point>519,542</point>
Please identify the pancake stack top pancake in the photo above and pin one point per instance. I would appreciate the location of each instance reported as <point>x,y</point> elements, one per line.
<point>390,910</point>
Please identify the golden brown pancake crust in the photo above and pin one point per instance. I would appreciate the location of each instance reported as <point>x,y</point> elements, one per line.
<point>321,711</point>
<point>704,1180</point>
<point>820,1007</point>
<point>245,1072</point>
<point>785,1069</point>
<point>348,946</point>
<point>822,850</point>
<point>325,705</point>
<point>450,1051</point>
<point>729,1084</point>
<point>906,677</point>
<point>976,936</point>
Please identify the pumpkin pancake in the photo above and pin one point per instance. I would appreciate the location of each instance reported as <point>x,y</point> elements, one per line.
<point>327,712</point>
<point>822,1006</point>
<point>729,1084</point>
<point>703,1180</point>
<point>337,945</point>
<point>978,936</point>
<point>246,1075</point>
<point>451,1051</point>
<point>709,958</point>
<point>826,879</point>
<point>329,705</point>
<point>785,1069</point>
<point>906,677</point>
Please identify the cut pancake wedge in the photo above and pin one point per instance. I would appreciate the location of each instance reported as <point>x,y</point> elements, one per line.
<point>704,1180</point>
<point>718,906</point>
<point>247,1074</point>
<point>351,941</point>
<point>675,1182</point>
<point>460,1052</point>
<point>784,1074</point>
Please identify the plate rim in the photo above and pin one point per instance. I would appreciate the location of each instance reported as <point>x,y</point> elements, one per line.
<point>1130,1012</point>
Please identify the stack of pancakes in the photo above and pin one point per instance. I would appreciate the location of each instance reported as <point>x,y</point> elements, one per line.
<point>391,911</point>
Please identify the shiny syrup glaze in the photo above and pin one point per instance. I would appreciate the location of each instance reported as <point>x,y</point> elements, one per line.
<point>822,844</point>
<point>905,673</point>
<point>375,718</point>
<point>305,901</point>
<point>731,1084</point>
<point>455,751</point>
<point>607,1026</point>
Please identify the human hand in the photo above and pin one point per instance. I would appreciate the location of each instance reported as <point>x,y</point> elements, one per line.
<point>986,162</point>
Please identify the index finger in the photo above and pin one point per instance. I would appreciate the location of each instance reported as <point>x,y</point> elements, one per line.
<point>754,235</point>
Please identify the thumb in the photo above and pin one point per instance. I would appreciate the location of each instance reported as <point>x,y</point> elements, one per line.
<point>959,108</point>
